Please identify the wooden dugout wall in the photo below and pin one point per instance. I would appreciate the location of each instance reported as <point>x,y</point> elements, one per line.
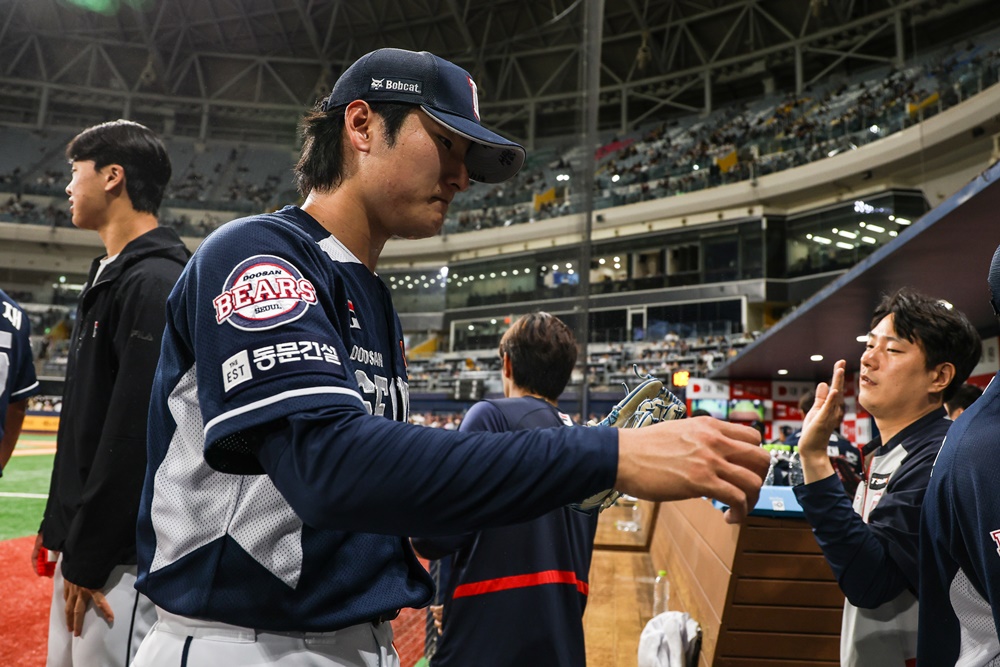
<point>762,592</point>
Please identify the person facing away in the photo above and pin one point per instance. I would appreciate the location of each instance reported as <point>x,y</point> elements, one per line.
<point>517,593</point>
<point>918,353</point>
<point>119,172</point>
<point>283,480</point>
<point>962,400</point>
<point>17,374</point>
<point>960,536</point>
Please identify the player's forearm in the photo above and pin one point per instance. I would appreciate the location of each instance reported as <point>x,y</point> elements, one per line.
<point>862,564</point>
<point>356,472</point>
<point>815,466</point>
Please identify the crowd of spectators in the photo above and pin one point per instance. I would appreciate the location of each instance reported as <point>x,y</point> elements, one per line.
<point>19,209</point>
<point>608,365</point>
<point>40,403</point>
<point>740,142</point>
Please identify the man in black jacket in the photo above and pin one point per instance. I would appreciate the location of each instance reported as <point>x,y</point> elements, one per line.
<point>120,170</point>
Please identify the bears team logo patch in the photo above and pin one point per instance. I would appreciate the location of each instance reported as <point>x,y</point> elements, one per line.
<point>995,534</point>
<point>263,292</point>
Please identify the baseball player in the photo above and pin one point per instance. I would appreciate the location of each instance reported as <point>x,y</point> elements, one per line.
<point>959,621</point>
<point>919,351</point>
<point>517,593</point>
<point>282,477</point>
<point>17,374</point>
<point>120,170</point>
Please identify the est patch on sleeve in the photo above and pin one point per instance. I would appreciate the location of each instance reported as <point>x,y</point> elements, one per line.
<point>292,354</point>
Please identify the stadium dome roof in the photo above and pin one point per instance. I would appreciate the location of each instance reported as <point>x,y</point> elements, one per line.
<point>261,62</point>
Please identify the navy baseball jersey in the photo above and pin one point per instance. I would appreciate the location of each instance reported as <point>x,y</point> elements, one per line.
<point>959,621</point>
<point>17,371</point>
<point>274,498</point>
<point>517,593</point>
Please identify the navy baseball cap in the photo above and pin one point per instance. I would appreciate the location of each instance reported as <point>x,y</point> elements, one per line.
<point>444,91</point>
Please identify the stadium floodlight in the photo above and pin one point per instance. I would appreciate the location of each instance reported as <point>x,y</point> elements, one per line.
<point>875,228</point>
<point>902,221</point>
<point>845,246</point>
<point>822,240</point>
<point>847,235</point>
<point>868,239</point>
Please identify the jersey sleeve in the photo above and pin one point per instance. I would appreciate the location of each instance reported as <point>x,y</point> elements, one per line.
<point>351,471</point>
<point>260,317</point>
<point>858,555</point>
<point>960,549</point>
<point>482,416</point>
<point>22,382</point>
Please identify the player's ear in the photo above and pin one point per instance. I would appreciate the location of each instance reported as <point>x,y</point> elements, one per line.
<point>508,368</point>
<point>941,376</point>
<point>114,176</point>
<point>359,120</point>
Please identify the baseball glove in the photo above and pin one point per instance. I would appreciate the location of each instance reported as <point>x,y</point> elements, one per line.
<point>649,403</point>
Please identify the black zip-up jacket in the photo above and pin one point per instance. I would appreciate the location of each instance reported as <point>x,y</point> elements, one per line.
<point>100,460</point>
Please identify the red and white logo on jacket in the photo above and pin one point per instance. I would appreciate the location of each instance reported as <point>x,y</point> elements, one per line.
<point>263,292</point>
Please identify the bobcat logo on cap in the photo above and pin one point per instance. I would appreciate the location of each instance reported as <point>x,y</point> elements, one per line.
<point>377,84</point>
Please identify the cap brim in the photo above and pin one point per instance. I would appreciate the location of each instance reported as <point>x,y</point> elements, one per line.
<point>491,158</point>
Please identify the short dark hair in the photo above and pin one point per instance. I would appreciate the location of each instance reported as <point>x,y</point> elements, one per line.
<point>964,396</point>
<point>137,149</point>
<point>807,400</point>
<point>542,353</point>
<point>944,333</point>
<point>321,163</point>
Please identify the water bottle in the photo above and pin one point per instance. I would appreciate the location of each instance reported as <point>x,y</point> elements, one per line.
<point>661,593</point>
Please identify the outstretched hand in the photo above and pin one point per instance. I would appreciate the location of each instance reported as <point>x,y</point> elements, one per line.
<point>691,458</point>
<point>820,422</point>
